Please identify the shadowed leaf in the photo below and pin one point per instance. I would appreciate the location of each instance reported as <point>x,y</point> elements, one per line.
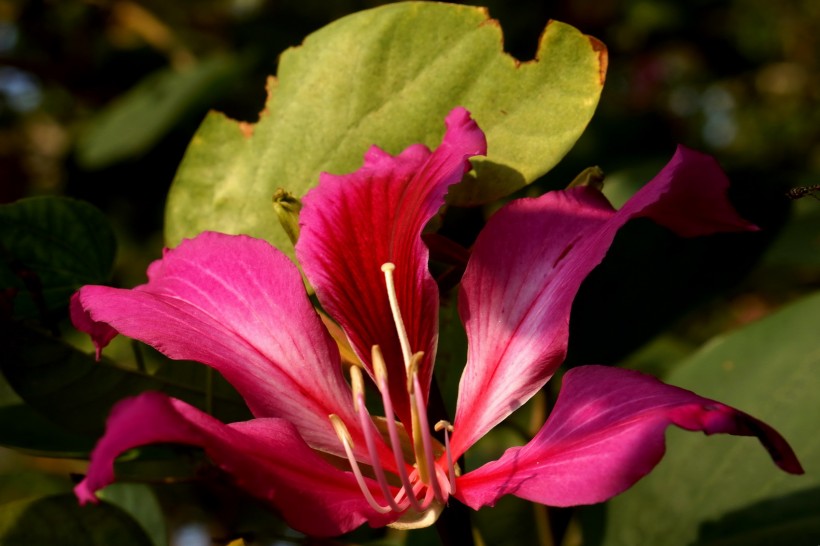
<point>708,491</point>
<point>60,519</point>
<point>49,247</point>
<point>73,391</point>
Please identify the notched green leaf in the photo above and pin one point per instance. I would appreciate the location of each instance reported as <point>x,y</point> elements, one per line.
<point>388,76</point>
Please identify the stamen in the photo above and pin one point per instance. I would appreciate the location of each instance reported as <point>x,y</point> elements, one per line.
<point>357,386</point>
<point>379,366</point>
<point>381,377</point>
<point>388,269</point>
<point>347,442</point>
<point>427,462</point>
<point>429,494</point>
<point>451,470</point>
<point>367,429</point>
<point>416,425</point>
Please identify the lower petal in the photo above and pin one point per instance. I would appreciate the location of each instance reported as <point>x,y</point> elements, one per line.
<point>605,433</point>
<point>236,304</point>
<point>266,457</point>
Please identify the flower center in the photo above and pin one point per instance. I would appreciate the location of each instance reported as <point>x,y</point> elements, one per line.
<point>425,483</point>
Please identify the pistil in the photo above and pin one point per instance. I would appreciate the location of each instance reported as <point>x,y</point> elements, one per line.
<point>407,353</point>
<point>418,410</point>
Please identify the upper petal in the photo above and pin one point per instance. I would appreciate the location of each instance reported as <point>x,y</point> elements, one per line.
<point>605,433</point>
<point>528,264</point>
<point>352,224</point>
<point>239,305</point>
<point>266,457</point>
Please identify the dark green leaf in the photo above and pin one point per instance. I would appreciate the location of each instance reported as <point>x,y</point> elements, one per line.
<point>77,393</point>
<point>49,247</point>
<point>138,119</point>
<point>140,502</point>
<point>23,429</point>
<point>798,245</point>
<point>60,520</point>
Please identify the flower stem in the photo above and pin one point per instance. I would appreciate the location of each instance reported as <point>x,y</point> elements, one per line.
<point>453,526</point>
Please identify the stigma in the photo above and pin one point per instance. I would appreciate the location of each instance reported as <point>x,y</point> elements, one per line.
<point>424,474</point>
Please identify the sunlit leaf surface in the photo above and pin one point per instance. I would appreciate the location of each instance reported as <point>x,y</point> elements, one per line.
<point>388,76</point>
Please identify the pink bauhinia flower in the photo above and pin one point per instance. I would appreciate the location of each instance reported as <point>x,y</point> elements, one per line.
<point>313,450</point>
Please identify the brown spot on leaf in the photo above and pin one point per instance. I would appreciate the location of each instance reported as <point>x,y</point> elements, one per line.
<point>603,57</point>
<point>246,128</point>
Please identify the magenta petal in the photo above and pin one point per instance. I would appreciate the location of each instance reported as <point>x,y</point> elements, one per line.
<point>352,224</point>
<point>100,332</point>
<point>238,305</point>
<point>266,457</point>
<point>604,434</point>
<point>528,264</point>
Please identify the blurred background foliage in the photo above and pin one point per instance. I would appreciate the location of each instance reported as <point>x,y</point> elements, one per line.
<point>99,99</point>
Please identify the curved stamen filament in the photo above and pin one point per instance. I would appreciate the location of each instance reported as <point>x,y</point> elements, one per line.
<point>426,462</point>
<point>347,442</point>
<point>415,416</point>
<point>367,426</point>
<point>424,485</point>
<point>451,470</point>
<point>380,370</point>
<point>406,352</point>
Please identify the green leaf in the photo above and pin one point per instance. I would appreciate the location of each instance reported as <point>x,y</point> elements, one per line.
<point>798,245</point>
<point>25,430</point>
<point>60,519</point>
<point>388,76</point>
<point>132,124</point>
<point>49,247</point>
<point>451,354</point>
<point>139,501</point>
<point>18,480</point>
<point>724,489</point>
<point>75,392</point>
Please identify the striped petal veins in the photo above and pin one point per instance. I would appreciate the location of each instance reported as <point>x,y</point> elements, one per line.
<point>426,474</point>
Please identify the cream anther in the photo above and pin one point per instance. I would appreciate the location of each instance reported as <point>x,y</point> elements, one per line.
<point>413,370</point>
<point>379,366</point>
<point>442,425</point>
<point>407,353</point>
<point>451,469</point>
<point>340,429</point>
<point>357,385</point>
